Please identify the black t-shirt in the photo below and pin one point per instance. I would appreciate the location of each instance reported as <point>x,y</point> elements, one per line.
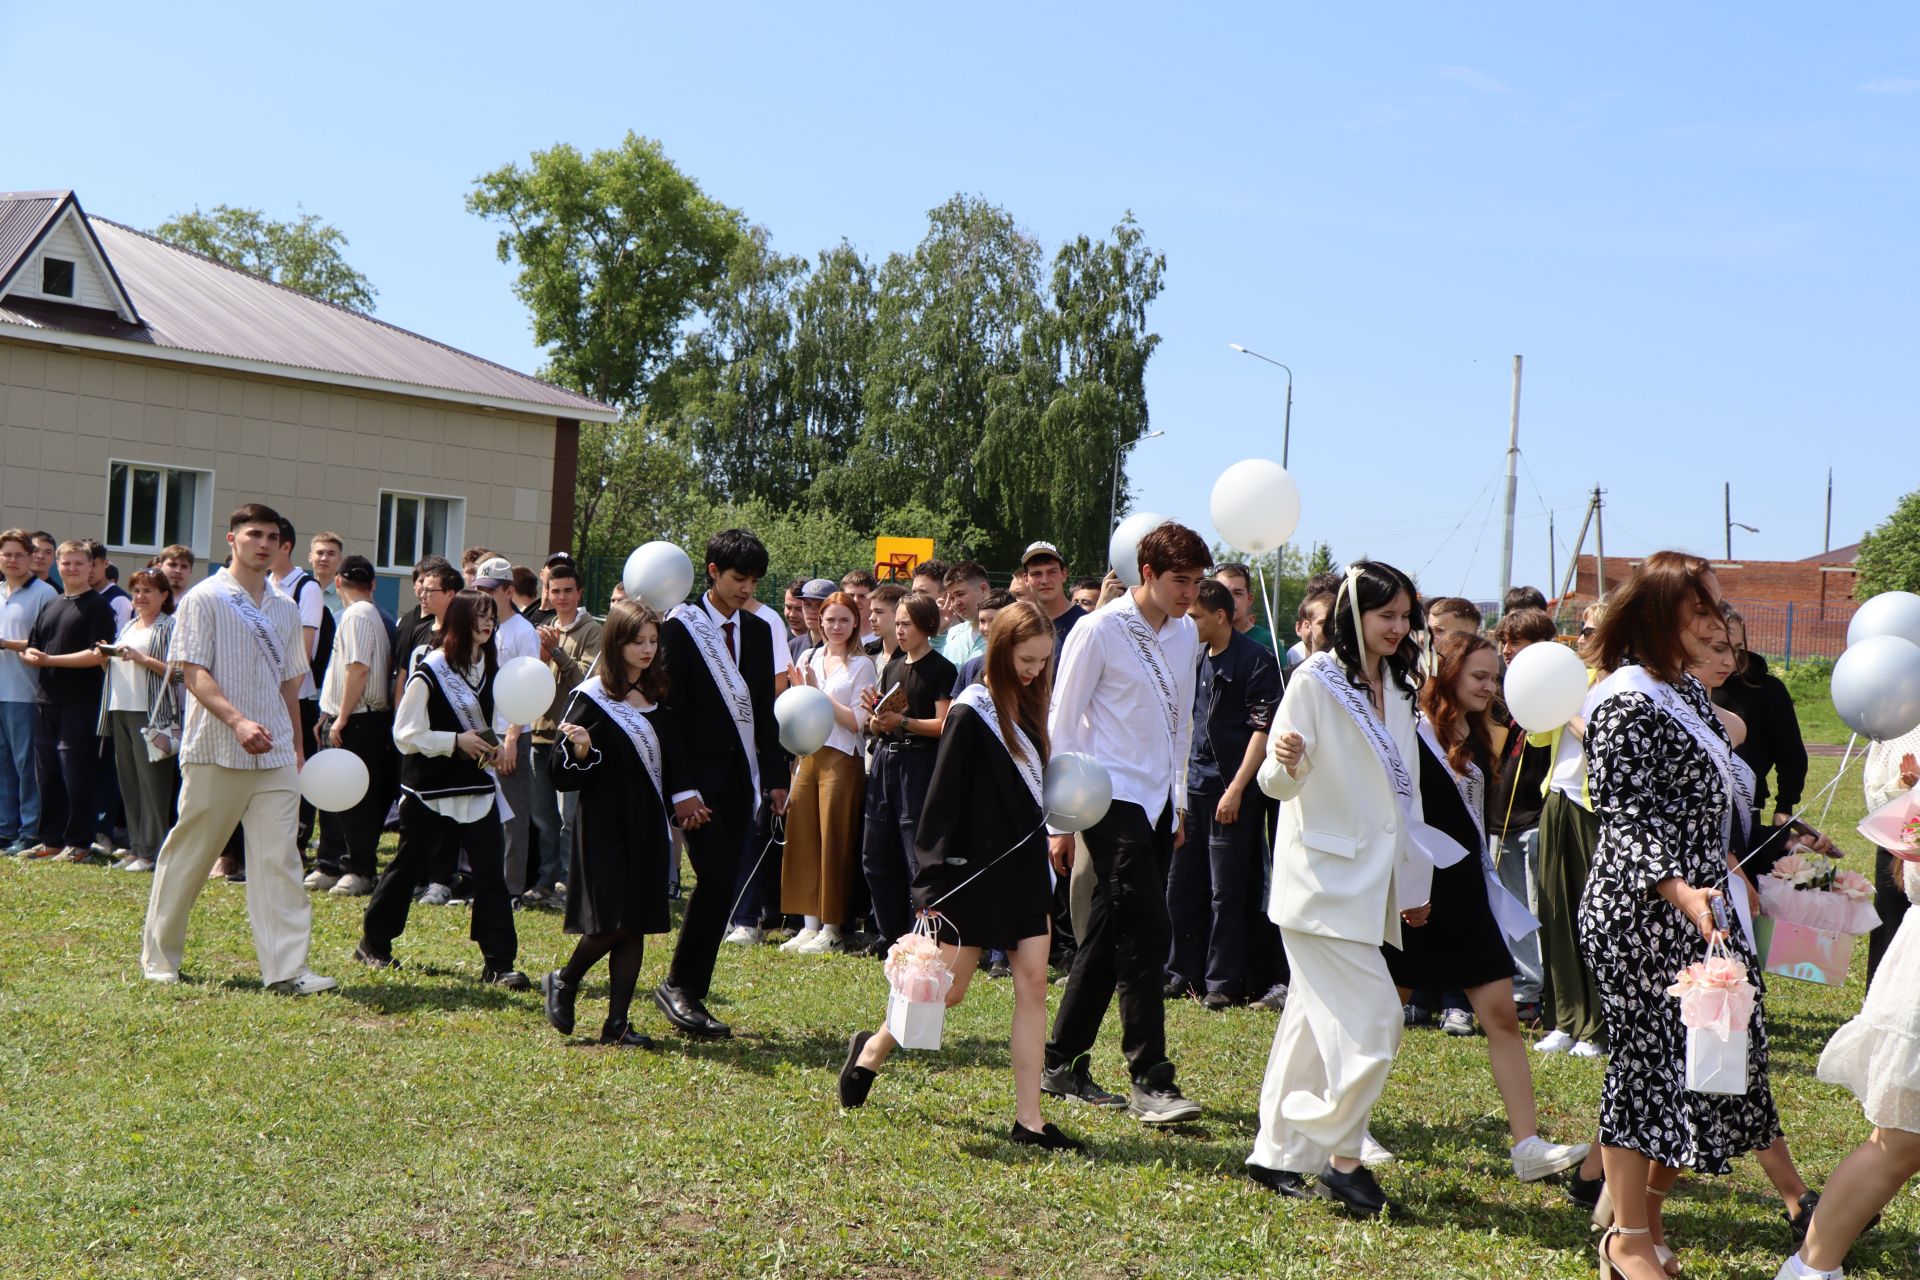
<point>926,682</point>
<point>1061,625</point>
<point>412,639</point>
<point>72,624</point>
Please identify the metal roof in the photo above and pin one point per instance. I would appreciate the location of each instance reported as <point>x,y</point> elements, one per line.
<point>196,306</point>
<point>23,216</point>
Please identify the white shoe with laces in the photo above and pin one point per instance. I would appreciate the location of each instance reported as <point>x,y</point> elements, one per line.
<point>1372,1154</point>
<point>1586,1049</point>
<point>1535,1158</point>
<point>304,983</point>
<point>828,939</point>
<point>351,886</point>
<point>743,935</point>
<point>320,881</point>
<point>140,864</point>
<point>799,940</point>
<point>1794,1269</point>
<point>1553,1042</point>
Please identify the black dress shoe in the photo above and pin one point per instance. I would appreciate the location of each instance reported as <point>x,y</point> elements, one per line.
<point>372,960</point>
<point>1584,1192</point>
<point>688,1015</point>
<point>560,997</point>
<point>621,1035</point>
<point>1281,1182</point>
<point>1176,990</point>
<point>1358,1191</point>
<point>1048,1138</point>
<point>856,1081</point>
<point>511,979</point>
<point>1215,1001</point>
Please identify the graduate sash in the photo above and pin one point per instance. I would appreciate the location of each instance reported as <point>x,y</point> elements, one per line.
<point>1711,739</point>
<point>1515,921</point>
<point>466,709</point>
<point>254,619</point>
<point>639,730</point>
<point>1026,762</point>
<point>726,677</point>
<point>1146,646</point>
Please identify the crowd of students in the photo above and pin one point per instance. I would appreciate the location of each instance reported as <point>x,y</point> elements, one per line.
<point>1353,832</point>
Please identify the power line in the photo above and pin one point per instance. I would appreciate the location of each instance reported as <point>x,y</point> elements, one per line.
<point>1499,472</point>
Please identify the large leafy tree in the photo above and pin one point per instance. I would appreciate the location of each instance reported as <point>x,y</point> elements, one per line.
<point>1890,555</point>
<point>303,254</point>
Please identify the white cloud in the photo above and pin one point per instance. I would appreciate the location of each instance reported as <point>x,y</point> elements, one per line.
<point>1892,86</point>
<point>1479,81</point>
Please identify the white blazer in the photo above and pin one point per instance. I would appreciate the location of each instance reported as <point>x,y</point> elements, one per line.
<point>1343,865</point>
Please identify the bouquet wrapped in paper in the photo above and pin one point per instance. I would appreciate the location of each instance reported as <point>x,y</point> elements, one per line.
<point>918,980</point>
<point>1808,890</point>
<point>1716,1006</point>
<point>1895,826</point>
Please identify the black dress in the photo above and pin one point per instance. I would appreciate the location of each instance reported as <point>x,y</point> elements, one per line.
<point>617,871</point>
<point>977,808</point>
<point>1460,946</point>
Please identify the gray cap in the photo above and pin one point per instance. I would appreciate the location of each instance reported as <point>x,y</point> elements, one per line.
<point>819,589</point>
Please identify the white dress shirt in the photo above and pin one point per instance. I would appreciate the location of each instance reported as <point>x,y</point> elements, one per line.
<point>781,655</point>
<point>513,638</point>
<point>414,734</point>
<point>310,605</point>
<point>1106,705</point>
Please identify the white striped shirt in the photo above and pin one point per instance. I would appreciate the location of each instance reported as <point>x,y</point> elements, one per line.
<point>362,638</point>
<point>209,632</point>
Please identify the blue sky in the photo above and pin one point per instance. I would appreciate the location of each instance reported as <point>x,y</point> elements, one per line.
<point>1696,222</point>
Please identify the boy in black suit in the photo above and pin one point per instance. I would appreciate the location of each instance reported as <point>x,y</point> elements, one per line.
<point>720,666</point>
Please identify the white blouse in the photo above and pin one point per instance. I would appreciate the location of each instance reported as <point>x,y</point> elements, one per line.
<point>844,684</point>
<point>126,678</point>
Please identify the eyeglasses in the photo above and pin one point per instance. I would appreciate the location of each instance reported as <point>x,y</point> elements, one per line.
<point>1585,632</point>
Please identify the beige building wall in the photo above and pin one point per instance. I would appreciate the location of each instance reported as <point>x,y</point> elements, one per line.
<point>320,455</point>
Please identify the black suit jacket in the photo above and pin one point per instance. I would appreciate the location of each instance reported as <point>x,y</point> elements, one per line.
<point>716,762</point>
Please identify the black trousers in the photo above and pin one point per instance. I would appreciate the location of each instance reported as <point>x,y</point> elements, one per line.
<point>1890,900</point>
<point>1125,946</point>
<point>896,792</point>
<point>714,851</point>
<point>349,841</point>
<point>1266,956</point>
<point>1213,875</point>
<point>421,833</point>
<point>309,721</point>
<point>66,757</point>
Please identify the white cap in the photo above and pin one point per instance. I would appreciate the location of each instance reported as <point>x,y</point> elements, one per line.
<point>1041,549</point>
<point>497,572</point>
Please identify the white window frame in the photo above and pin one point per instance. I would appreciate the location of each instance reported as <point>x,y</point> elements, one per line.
<point>200,532</point>
<point>384,562</point>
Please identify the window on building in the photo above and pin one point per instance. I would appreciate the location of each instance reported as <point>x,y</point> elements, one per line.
<point>151,506</point>
<point>414,525</point>
<point>56,277</point>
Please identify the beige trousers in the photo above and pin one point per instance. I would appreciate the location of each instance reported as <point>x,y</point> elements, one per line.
<point>265,803</point>
<point>1336,1042</point>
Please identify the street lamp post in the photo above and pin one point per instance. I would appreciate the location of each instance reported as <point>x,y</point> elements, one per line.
<point>1726,511</point>
<point>1113,490</point>
<point>1286,424</point>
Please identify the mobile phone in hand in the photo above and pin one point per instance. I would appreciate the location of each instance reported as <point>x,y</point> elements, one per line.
<point>1720,916</point>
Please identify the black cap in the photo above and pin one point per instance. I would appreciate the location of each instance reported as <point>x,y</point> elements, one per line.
<point>358,570</point>
<point>558,557</point>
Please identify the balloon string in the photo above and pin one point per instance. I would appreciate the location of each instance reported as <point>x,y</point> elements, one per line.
<point>1021,842</point>
<point>1273,615</point>
<point>1844,760</point>
<point>778,837</point>
<point>1782,828</point>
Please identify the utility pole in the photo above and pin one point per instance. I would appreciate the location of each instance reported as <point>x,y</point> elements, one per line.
<point>1513,477</point>
<point>1826,542</point>
<point>1552,569</point>
<point>1599,545</point>
<point>1573,565</point>
<point>1726,512</point>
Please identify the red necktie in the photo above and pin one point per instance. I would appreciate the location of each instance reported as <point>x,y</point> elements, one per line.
<point>731,651</point>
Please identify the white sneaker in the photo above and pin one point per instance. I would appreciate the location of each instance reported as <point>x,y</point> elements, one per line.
<point>124,862</point>
<point>167,979</point>
<point>140,864</point>
<point>799,940</point>
<point>436,895</point>
<point>1535,1158</point>
<point>1372,1154</point>
<point>1794,1269</point>
<point>320,881</point>
<point>304,983</point>
<point>351,886</point>
<point>744,935</point>
<point>1586,1049</point>
<point>1553,1042</point>
<point>828,939</point>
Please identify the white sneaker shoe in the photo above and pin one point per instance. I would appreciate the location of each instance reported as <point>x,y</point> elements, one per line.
<point>1586,1049</point>
<point>1372,1154</point>
<point>743,935</point>
<point>799,940</point>
<point>351,886</point>
<point>828,939</point>
<point>140,864</point>
<point>1535,1158</point>
<point>320,881</point>
<point>436,895</point>
<point>123,862</point>
<point>304,983</point>
<point>1553,1042</point>
<point>168,979</point>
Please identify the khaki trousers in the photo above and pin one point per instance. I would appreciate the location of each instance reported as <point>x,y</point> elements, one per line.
<point>1336,1042</point>
<point>266,805</point>
<point>823,822</point>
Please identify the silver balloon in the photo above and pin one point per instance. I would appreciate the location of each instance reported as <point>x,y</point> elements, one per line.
<point>1876,686</point>
<point>805,716</point>
<point>1078,790</point>
<point>1891,613</point>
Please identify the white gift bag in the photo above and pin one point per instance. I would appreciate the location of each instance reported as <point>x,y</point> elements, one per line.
<point>1715,1065</point>
<point>916,1024</point>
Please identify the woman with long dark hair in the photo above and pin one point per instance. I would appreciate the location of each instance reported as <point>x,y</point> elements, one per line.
<point>618,749</point>
<point>982,848</point>
<point>444,730</point>
<point>1459,940</point>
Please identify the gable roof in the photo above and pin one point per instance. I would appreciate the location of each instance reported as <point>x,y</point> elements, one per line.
<point>194,310</point>
<point>1838,556</point>
<point>28,219</point>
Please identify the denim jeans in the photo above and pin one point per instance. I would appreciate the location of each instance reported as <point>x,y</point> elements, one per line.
<point>1520,873</point>
<point>19,790</point>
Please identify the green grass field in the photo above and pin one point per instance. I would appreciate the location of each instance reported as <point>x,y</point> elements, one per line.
<point>419,1125</point>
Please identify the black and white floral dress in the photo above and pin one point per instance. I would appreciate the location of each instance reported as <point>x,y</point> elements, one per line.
<point>1659,799</point>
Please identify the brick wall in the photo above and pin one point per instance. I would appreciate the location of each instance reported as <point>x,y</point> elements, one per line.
<point>1799,582</point>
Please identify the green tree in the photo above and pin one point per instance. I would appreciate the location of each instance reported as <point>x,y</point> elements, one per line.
<point>635,486</point>
<point>1283,574</point>
<point>304,254</point>
<point>616,251</point>
<point>1890,555</point>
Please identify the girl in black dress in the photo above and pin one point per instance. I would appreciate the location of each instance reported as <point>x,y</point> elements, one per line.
<point>982,853</point>
<point>617,748</point>
<point>1455,941</point>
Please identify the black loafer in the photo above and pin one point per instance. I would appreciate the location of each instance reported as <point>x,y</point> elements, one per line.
<point>1357,1191</point>
<point>1048,1138</point>
<point>688,1015</point>
<point>373,961</point>
<point>856,1081</point>
<point>511,979</point>
<point>560,999</point>
<point>1584,1192</point>
<point>621,1035</point>
<point>1281,1182</point>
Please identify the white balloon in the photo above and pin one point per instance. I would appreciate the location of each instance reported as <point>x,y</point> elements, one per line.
<point>523,690</point>
<point>1256,505</point>
<point>1078,790</point>
<point>658,573</point>
<point>1891,613</point>
<point>805,715</point>
<point>1876,687</point>
<point>334,780</point>
<point>1123,550</point>
<point>1546,684</point>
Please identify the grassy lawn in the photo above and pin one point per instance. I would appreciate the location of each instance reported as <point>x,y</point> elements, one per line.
<point>420,1125</point>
